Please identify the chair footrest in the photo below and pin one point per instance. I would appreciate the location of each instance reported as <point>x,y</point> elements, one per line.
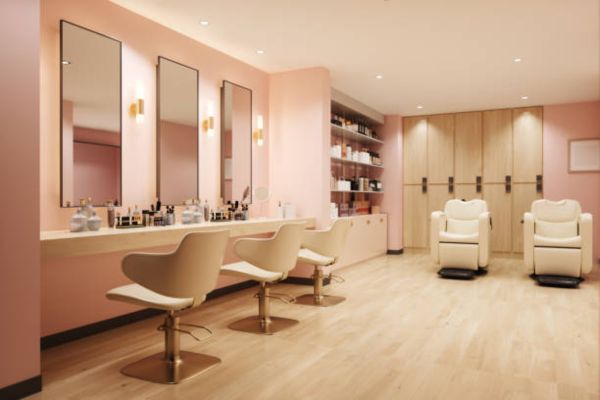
<point>460,273</point>
<point>558,281</point>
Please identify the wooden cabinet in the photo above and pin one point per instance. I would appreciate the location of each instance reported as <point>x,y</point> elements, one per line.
<point>500,206</point>
<point>527,144</point>
<point>437,196</point>
<point>366,239</point>
<point>497,145</point>
<point>466,192</point>
<point>468,147</point>
<point>440,148</point>
<point>523,195</point>
<point>415,149</point>
<point>415,217</point>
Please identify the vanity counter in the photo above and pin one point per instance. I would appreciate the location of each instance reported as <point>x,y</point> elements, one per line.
<point>55,244</point>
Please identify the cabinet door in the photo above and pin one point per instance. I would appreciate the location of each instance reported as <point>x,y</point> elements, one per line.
<point>466,192</point>
<point>523,195</point>
<point>415,149</point>
<point>416,220</point>
<point>500,206</point>
<point>440,148</point>
<point>497,145</point>
<point>437,196</point>
<point>527,144</point>
<point>468,147</point>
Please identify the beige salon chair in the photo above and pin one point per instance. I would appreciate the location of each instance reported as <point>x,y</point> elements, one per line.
<point>460,238</point>
<point>266,261</point>
<point>321,248</point>
<point>557,242</point>
<point>173,282</point>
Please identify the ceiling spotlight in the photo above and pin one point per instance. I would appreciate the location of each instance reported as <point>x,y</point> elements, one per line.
<point>420,107</point>
<point>379,76</point>
<point>204,23</point>
<point>65,62</point>
<point>260,52</point>
<point>524,97</point>
<point>517,59</point>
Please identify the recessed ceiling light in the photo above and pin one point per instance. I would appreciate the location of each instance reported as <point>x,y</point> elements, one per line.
<point>379,76</point>
<point>517,59</point>
<point>524,97</point>
<point>65,62</point>
<point>419,107</point>
<point>260,52</point>
<point>204,23</point>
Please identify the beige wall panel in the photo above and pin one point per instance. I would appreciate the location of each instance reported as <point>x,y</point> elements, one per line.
<point>523,195</point>
<point>414,149</point>
<point>497,145</point>
<point>500,206</point>
<point>416,220</point>
<point>468,146</point>
<point>440,148</point>
<point>466,192</point>
<point>527,144</point>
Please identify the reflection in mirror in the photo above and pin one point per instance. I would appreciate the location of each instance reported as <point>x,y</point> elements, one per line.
<point>236,142</point>
<point>90,117</point>
<point>177,132</point>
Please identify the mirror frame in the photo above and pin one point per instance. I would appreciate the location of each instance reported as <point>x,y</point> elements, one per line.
<point>198,122</point>
<point>222,180</point>
<point>60,131</point>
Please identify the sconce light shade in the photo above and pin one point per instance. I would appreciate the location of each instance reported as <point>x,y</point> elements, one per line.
<point>136,109</point>
<point>208,124</point>
<point>259,135</point>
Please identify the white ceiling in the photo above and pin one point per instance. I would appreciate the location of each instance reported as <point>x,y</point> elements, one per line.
<point>446,55</point>
<point>92,80</point>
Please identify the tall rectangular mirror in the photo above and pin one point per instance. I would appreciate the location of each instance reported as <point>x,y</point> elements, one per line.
<point>90,127</point>
<point>236,142</point>
<point>177,132</point>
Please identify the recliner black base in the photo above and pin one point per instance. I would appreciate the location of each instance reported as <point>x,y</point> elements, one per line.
<point>461,273</point>
<point>570,282</point>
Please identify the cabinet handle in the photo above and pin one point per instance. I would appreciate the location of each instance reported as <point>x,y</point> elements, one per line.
<point>424,185</point>
<point>507,183</point>
<point>381,220</point>
<point>478,183</point>
<point>450,184</point>
<point>368,221</point>
<point>539,183</point>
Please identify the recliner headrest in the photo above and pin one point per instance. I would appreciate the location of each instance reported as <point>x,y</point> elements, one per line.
<point>556,211</point>
<point>458,209</point>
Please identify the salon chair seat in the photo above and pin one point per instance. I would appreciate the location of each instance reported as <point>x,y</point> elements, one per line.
<point>266,261</point>
<point>321,248</point>
<point>173,282</point>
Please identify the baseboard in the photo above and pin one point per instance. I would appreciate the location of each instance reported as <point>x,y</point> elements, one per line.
<point>70,335</point>
<point>21,389</point>
<point>297,280</point>
<point>395,252</point>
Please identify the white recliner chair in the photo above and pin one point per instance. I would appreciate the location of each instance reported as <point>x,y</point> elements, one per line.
<point>460,238</point>
<point>557,242</point>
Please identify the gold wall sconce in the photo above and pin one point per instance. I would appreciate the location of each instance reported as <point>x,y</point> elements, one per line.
<point>208,124</point>
<point>259,135</point>
<point>136,109</point>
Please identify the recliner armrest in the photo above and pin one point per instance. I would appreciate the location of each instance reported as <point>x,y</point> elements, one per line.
<point>587,244</point>
<point>438,223</point>
<point>528,233</point>
<point>485,227</point>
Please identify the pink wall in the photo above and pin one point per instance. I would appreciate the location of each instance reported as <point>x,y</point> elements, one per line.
<point>19,179</point>
<point>178,162</point>
<point>561,123</point>
<point>96,172</point>
<point>392,179</point>
<point>143,41</point>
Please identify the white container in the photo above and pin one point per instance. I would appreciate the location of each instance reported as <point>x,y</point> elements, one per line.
<point>365,157</point>
<point>355,156</point>
<point>187,217</point>
<point>289,211</point>
<point>78,221</point>
<point>94,222</point>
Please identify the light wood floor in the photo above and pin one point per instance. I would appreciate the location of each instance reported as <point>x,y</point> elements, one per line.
<point>403,333</point>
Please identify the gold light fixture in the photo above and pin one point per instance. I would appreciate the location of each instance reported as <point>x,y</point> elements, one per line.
<point>259,135</point>
<point>136,109</point>
<point>208,124</point>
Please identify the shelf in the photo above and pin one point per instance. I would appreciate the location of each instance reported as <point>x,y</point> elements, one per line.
<point>339,131</point>
<point>356,191</point>
<point>343,160</point>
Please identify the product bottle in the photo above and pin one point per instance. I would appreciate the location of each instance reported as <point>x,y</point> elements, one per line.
<point>206,211</point>
<point>78,221</point>
<point>94,222</point>
<point>110,211</point>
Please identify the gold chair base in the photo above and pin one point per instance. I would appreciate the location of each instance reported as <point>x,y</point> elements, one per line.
<point>326,301</point>
<point>255,325</point>
<point>156,369</point>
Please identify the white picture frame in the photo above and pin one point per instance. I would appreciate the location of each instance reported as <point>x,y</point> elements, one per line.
<point>584,155</point>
